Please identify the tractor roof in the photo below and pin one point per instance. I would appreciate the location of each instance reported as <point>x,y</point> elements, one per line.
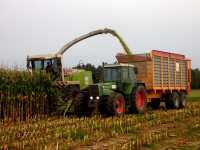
<point>118,65</point>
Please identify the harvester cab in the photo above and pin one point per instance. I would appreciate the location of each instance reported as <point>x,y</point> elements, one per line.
<point>50,63</point>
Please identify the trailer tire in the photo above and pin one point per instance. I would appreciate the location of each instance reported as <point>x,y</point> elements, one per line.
<point>155,104</point>
<point>172,101</point>
<point>183,99</point>
<point>115,105</point>
<point>139,103</point>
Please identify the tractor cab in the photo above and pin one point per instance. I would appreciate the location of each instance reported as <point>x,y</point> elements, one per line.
<point>116,78</point>
<point>120,73</point>
<point>49,63</point>
<point>119,82</point>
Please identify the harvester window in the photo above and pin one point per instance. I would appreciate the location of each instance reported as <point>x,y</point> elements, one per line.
<point>46,62</point>
<point>37,64</point>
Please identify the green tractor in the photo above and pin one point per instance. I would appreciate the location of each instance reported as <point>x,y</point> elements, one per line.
<point>119,92</point>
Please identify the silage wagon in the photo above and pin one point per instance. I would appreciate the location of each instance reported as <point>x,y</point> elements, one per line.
<point>166,76</point>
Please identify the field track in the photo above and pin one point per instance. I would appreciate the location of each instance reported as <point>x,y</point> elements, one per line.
<point>149,131</point>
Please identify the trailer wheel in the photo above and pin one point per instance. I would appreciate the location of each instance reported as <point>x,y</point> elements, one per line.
<point>183,99</point>
<point>172,101</point>
<point>115,104</point>
<point>155,104</point>
<point>139,103</point>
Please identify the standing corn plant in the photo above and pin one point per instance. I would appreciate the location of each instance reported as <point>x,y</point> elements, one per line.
<point>24,95</point>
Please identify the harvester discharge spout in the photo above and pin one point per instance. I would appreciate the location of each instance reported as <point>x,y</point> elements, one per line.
<point>94,33</point>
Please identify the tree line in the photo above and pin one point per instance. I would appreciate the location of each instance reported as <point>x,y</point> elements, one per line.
<point>195,74</point>
<point>97,74</point>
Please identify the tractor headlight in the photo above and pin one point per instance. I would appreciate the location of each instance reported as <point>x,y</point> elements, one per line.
<point>97,97</point>
<point>91,97</point>
<point>114,86</point>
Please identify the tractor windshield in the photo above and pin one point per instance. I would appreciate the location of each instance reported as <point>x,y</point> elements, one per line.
<point>111,74</point>
<point>119,74</point>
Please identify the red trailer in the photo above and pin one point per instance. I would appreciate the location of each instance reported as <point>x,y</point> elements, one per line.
<point>166,76</point>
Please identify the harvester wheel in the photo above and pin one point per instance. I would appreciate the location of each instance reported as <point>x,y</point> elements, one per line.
<point>139,103</point>
<point>115,105</point>
<point>172,101</point>
<point>79,105</point>
<point>77,101</point>
<point>183,99</point>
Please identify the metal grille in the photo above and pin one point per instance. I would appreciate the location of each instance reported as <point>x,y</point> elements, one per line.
<point>93,90</point>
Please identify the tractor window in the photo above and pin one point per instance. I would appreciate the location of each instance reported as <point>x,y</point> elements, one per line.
<point>111,74</point>
<point>125,74</point>
<point>131,74</point>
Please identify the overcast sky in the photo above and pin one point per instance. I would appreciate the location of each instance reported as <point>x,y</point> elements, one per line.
<point>30,27</point>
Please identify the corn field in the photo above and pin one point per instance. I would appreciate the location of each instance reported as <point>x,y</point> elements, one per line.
<point>24,96</point>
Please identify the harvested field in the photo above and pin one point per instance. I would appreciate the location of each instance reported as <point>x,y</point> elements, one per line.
<point>158,129</point>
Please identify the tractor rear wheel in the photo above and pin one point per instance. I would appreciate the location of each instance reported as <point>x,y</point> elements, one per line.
<point>183,99</point>
<point>139,103</point>
<point>115,104</point>
<point>172,101</point>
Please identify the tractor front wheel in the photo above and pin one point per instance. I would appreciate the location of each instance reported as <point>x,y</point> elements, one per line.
<point>115,104</point>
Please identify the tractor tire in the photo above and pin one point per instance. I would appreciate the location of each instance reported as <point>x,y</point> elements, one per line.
<point>155,104</point>
<point>172,101</point>
<point>102,104</point>
<point>139,102</point>
<point>115,105</point>
<point>183,100</point>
